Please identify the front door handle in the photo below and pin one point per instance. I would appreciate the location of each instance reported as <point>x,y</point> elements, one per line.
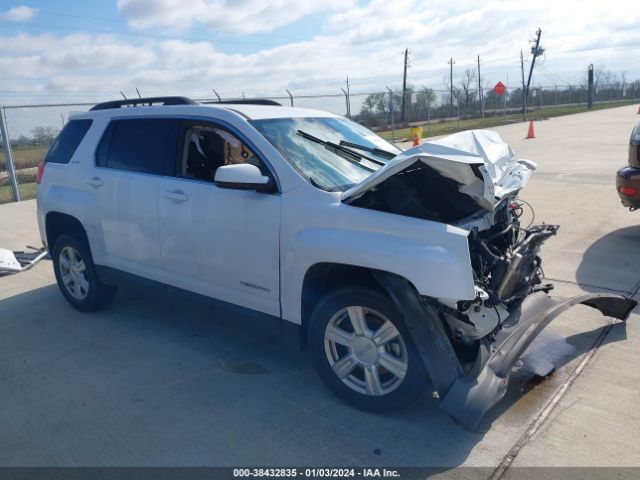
<point>176,195</point>
<point>95,182</point>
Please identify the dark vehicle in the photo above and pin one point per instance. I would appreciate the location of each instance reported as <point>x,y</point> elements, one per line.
<point>628,178</point>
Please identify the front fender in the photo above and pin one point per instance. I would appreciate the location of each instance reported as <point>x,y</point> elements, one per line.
<point>433,257</point>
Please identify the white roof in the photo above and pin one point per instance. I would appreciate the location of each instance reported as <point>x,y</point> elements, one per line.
<point>252,112</point>
<point>259,112</point>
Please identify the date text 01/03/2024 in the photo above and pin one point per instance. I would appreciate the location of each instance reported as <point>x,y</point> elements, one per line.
<point>315,472</point>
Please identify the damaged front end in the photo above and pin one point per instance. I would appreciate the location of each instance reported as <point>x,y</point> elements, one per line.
<point>469,385</point>
<point>471,180</point>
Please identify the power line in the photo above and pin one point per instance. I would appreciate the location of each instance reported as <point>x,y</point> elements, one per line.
<point>132,34</point>
<point>501,60</point>
<point>149,25</point>
<point>135,23</point>
<point>451,62</point>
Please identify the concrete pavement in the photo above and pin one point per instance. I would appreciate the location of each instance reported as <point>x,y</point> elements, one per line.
<point>154,380</point>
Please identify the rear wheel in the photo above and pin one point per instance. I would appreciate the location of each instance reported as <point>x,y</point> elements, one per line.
<point>76,275</point>
<point>363,351</point>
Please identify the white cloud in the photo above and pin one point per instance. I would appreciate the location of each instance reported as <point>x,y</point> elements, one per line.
<point>49,55</point>
<point>19,14</point>
<point>229,16</point>
<point>363,41</point>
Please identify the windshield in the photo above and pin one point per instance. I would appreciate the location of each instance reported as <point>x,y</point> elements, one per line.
<point>322,167</point>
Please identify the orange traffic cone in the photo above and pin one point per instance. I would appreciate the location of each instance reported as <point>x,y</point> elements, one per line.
<point>530,133</point>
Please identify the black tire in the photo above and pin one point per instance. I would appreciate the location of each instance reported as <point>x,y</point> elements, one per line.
<point>407,391</point>
<point>98,295</point>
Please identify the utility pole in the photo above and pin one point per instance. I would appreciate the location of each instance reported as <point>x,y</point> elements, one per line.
<point>393,122</point>
<point>590,84</point>
<point>348,94</point>
<point>404,84</point>
<point>451,62</point>
<point>480,92</point>
<point>347,99</point>
<point>535,51</point>
<point>524,92</point>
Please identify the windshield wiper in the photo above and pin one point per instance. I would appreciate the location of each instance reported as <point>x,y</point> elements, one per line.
<point>342,152</point>
<point>377,151</point>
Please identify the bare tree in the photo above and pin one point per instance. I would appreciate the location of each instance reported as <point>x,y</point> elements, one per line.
<point>43,135</point>
<point>464,89</point>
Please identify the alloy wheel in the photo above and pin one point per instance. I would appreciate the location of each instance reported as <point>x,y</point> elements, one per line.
<point>366,351</point>
<point>73,273</point>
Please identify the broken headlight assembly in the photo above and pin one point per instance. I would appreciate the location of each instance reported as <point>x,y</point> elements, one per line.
<point>506,267</point>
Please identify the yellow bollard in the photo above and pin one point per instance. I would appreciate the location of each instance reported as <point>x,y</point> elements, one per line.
<point>416,134</point>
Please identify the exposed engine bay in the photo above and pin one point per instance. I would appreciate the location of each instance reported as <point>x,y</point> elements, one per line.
<point>470,180</point>
<point>506,268</point>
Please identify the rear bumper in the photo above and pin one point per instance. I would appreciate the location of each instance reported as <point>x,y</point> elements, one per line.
<point>468,395</point>
<point>628,179</point>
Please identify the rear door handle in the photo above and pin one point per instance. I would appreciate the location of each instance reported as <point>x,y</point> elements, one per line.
<point>95,182</point>
<point>176,195</point>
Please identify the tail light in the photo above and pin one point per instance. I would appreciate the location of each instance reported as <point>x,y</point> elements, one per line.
<point>40,172</point>
<point>629,191</point>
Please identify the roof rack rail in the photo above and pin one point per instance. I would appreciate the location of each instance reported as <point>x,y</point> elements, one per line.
<point>243,101</point>
<point>140,102</point>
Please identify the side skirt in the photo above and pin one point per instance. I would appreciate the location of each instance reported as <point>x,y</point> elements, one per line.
<point>289,333</point>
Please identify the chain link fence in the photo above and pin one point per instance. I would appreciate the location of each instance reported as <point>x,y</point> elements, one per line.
<point>30,129</point>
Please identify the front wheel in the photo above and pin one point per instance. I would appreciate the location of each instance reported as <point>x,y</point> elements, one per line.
<point>363,351</point>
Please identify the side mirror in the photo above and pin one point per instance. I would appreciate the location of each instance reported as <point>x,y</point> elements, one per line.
<point>243,176</point>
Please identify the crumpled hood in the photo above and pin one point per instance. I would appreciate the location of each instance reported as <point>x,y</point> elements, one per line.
<point>459,157</point>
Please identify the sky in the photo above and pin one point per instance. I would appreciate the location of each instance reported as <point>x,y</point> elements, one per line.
<point>70,50</point>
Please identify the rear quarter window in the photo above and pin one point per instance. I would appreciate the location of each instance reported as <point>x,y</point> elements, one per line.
<point>67,142</point>
<point>145,145</point>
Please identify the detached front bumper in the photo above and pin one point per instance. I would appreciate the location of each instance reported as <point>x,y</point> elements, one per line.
<point>471,396</point>
<point>628,186</point>
<point>468,395</point>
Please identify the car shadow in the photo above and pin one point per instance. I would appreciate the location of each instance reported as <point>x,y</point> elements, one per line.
<point>166,368</point>
<point>615,257</point>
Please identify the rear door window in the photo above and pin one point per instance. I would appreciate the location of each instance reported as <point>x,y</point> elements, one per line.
<point>145,145</point>
<point>67,142</point>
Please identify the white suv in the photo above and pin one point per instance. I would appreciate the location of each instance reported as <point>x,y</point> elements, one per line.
<point>404,272</point>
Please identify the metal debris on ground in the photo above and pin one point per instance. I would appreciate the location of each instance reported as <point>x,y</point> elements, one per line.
<point>19,261</point>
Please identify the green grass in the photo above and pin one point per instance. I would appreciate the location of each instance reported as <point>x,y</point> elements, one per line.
<point>452,126</point>
<point>27,191</point>
<point>25,157</point>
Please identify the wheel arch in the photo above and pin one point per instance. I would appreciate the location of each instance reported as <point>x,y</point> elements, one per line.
<point>323,277</point>
<point>57,224</point>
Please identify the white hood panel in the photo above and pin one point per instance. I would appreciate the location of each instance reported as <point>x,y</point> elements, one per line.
<point>453,157</point>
